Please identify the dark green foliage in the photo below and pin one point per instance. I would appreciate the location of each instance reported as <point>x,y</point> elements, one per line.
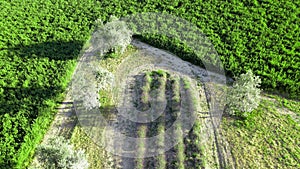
<point>39,45</point>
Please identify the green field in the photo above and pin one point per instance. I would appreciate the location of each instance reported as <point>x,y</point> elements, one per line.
<point>268,139</point>
<point>40,42</point>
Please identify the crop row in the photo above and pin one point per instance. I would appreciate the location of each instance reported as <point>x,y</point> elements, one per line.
<point>187,151</point>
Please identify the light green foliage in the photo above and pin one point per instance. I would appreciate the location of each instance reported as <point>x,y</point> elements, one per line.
<point>104,78</point>
<point>60,154</point>
<point>160,72</point>
<point>186,83</point>
<point>111,38</point>
<point>244,96</point>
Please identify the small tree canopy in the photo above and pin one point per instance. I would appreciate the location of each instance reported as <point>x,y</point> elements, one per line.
<point>244,96</point>
<point>60,154</point>
<point>114,36</point>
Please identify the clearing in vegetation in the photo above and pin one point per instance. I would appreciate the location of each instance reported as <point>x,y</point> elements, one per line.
<point>195,149</point>
<point>179,95</point>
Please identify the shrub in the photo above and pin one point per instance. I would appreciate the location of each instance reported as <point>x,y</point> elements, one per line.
<point>104,78</point>
<point>244,96</point>
<point>60,154</point>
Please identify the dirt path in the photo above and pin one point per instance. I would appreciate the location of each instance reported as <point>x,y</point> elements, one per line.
<point>63,123</point>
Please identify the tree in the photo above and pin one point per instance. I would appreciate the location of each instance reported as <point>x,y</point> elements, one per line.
<point>60,154</point>
<point>112,37</point>
<point>244,96</point>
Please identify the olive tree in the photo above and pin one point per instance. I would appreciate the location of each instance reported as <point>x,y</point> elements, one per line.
<point>244,96</point>
<point>112,37</point>
<point>58,153</point>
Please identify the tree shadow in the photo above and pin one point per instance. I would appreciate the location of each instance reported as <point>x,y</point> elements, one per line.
<point>27,101</point>
<point>55,50</point>
<point>20,107</point>
<point>280,94</point>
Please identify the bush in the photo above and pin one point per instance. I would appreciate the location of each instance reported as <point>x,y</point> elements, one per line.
<point>244,96</point>
<point>60,154</point>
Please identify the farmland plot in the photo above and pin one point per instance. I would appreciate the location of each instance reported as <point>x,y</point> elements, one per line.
<point>158,102</point>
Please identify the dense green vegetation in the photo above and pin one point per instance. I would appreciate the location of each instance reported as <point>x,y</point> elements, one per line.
<point>40,42</point>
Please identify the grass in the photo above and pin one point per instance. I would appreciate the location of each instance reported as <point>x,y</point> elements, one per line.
<point>194,149</point>
<point>97,156</point>
<point>148,77</point>
<point>180,155</point>
<point>161,158</point>
<point>158,79</point>
<point>267,139</point>
<point>111,64</point>
<point>186,83</point>
<point>160,72</point>
<point>162,80</point>
<point>176,89</point>
<point>194,145</point>
<point>292,105</point>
